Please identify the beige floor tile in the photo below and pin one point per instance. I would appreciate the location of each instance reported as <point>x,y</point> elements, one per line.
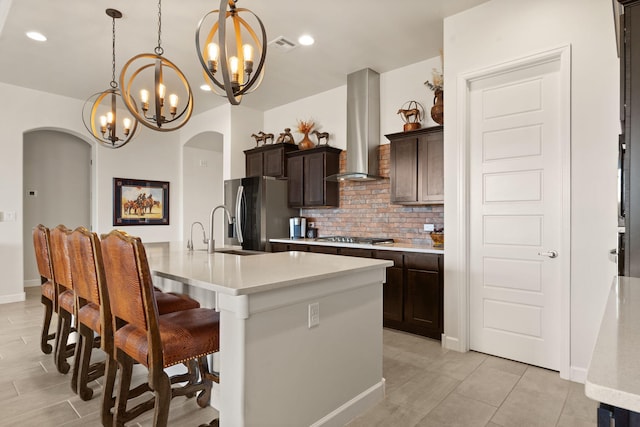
<point>459,365</point>
<point>53,416</point>
<point>387,414</point>
<point>458,411</point>
<point>488,385</point>
<point>423,392</point>
<point>505,365</point>
<point>578,405</point>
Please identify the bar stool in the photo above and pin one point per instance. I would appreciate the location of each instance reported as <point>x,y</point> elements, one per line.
<point>41,245</point>
<point>66,296</point>
<point>94,314</point>
<point>141,334</point>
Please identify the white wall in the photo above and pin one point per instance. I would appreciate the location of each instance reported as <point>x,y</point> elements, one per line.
<point>329,109</point>
<point>503,30</point>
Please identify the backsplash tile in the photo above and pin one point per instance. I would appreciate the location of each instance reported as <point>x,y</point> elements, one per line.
<point>365,210</point>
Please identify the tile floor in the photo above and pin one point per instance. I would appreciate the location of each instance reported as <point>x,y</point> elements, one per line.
<point>426,386</point>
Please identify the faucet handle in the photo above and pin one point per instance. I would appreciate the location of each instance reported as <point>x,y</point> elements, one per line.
<point>189,245</point>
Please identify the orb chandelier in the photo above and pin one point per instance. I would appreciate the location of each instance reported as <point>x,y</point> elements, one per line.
<point>101,119</point>
<point>152,70</point>
<point>234,55</point>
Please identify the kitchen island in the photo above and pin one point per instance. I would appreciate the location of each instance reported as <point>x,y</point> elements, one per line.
<point>300,333</point>
<point>613,377</point>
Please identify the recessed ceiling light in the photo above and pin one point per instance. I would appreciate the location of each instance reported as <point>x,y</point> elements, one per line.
<point>306,40</point>
<point>205,88</point>
<point>34,35</point>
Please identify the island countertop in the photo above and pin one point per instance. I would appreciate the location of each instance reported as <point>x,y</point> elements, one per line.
<point>242,275</point>
<point>613,376</point>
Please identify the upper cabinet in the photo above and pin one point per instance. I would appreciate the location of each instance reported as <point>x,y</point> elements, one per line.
<point>307,170</point>
<point>268,160</point>
<point>416,169</point>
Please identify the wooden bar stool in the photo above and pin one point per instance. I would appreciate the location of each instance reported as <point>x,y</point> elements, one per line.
<point>94,313</point>
<point>66,297</point>
<point>41,245</point>
<point>143,335</point>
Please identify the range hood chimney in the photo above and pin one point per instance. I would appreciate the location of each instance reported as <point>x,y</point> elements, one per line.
<point>363,127</point>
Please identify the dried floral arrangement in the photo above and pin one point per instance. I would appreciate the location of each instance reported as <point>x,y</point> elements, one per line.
<point>305,126</point>
<point>437,77</point>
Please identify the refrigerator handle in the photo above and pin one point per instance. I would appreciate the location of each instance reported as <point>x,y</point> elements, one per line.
<point>239,197</point>
<point>621,176</point>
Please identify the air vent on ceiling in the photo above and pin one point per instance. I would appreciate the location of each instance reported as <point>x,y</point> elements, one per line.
<point>283,44</point>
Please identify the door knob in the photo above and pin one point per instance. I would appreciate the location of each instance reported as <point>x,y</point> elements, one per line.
<point>550,254</point>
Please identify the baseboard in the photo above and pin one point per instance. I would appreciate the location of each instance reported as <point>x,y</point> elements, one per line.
<point>353,408</point>
<point>451,343</point>
<point>578,375</point>
<point>5,299</point>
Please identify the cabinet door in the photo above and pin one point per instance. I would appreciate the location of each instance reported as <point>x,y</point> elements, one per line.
<point>422,303</point>
<point>253,164</point>
<point>403,170</point>
<point>393,289</point>
<point>279,247</point>
<point>431,168</point>
<point>323,249</point>
<point>363,253</point>
<point>295,170</point>
<point>273,163</point>
<point>314,183</point>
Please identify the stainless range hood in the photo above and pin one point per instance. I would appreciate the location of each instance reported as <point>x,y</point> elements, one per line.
<point>363,127</point>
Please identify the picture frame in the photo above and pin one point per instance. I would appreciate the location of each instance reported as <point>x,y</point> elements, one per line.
<point>140,202</point>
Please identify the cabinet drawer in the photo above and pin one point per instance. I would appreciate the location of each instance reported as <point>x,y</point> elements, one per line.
<point>297,247</point>
<point>394,256</point>
<point>419,261</point>
<point>364,253</point>
<point>323,249</point>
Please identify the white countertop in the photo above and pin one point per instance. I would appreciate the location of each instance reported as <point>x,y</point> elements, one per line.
<point>242,275</point>
<point>614,373</point>
<point>404,247</point>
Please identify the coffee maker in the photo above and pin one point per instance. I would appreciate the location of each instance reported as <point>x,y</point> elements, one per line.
<point>297,227</point>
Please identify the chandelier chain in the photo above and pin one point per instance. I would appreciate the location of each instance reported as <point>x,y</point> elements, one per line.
<point>114,83</point>
<point>158,49</point>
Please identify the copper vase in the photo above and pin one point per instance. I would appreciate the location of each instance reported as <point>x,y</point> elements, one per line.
<point>306,143</point>
<point>437,111</point>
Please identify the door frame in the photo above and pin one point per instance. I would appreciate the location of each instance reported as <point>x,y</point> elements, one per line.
<point>464,81</point>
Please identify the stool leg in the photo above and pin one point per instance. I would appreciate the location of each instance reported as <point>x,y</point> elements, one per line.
<point>45,336</point>
<point>125,369</point>
<point>204,397</point>
<point>76,363</point>
<point>162,387</point>
<point>84,391</point>
<point>108,401</point>
<point>64,326</point>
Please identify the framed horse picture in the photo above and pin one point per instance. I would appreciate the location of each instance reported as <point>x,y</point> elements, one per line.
<point>140,202</point>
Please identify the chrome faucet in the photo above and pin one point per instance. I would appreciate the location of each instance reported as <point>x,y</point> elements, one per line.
<point>204,236</point>
<point>211,243</point>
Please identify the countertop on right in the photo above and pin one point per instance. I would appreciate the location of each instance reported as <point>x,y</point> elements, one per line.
<point>613,376</point>
<point>404,247</point>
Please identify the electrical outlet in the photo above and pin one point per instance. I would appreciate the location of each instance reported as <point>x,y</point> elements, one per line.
<point>314,314</point>
<point>9,216</point>
<point>429,227</point>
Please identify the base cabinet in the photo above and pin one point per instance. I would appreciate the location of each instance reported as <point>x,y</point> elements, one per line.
<point>413,295</point>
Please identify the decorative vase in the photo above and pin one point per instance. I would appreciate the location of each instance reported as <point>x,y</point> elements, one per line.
<point>437,111</point>
<point>306,143</point>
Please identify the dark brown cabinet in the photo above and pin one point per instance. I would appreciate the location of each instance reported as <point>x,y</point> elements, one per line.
<point>307,171</point>
<point>416,168</point>
<point>413,294</point>
<point>268,160</point>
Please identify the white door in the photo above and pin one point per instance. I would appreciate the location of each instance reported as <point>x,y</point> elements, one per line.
<point>515,204</point>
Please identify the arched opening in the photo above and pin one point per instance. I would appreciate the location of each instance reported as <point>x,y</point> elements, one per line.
<point>203,184</point>
<point>56,187</point>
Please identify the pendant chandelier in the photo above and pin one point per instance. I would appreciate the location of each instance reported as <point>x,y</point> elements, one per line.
<point>239,76</point>
<point>101,119</point>
<point>153,71</point>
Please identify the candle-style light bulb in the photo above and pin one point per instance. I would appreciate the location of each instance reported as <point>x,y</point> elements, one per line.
<point>161,91</point>
<point>110,118</point>
<point>247,52</point>
<point>144,98</point>
<point>126,124</point>
<point>103,124</point>
<point>173,104</point>
<point>214,54</point>
<point>233,66</point>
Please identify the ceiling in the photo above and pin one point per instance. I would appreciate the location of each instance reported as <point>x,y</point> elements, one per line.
<point>350,35</point>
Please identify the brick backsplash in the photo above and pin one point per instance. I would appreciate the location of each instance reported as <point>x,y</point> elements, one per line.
<point>365,211</point>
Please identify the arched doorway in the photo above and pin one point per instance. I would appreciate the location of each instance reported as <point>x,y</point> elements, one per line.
<point>56,187</point>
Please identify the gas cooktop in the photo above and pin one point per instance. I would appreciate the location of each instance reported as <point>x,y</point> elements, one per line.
<point>358,240</point>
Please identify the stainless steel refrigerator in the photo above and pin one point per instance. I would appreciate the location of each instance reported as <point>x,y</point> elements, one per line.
<point>259,206</point>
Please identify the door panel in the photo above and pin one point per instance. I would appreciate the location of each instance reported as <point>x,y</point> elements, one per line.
<point>515,214</point>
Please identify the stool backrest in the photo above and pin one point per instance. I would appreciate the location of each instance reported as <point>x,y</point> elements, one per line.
<point>60,257</point>
<point>89,280</point>
<point>42,247</point>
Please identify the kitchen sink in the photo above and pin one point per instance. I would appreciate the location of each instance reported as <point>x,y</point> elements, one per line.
<point>241,252</point>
